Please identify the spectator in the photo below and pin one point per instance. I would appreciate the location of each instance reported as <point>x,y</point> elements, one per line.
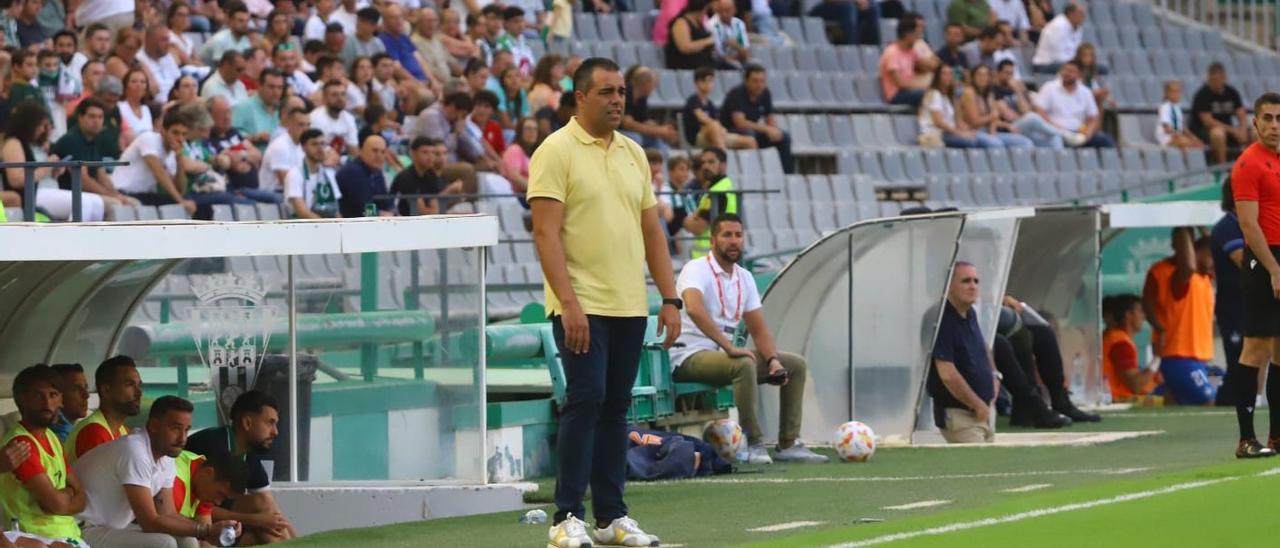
<point>155,57</point>
<point>1177,297</point>
<point>384,82</point>
<point>971,15</point>
<point>365,43</point>
<point>899,65</point>
<point>690,44</point>
<point>134,106</point>
<point>1007,49</point>
<point>338,125</point>
<point>1016,109</point>
<point>244,160</point>
<point>361,88</point>
<point>605,6</point>
<point>545,92</point>
<point>733,45</point>
<point>451,35</point>
<point>512,39</point>
<point>178,21</point>
<point>421,178</point>
<point>950,54</point>
<point>380,121</point>
<point>200,483</point>
<point>439,65</point>
<point>710,356</point>
<point>253,427</point>
<point>311,188</point>
<point>97,44</point>
<point>962,380</point>
<point>1121,365</point>
<point>502,60</point>
<point>29,127</point>
<point>205,169</point>
<point>1060,39</point>
<point>1218,116</point>
<point>259,115</point>
<point>1091,73</point>
<point>85,142</point>
<point>516,156</point>
<point>279,30</point>
<point>152,176</point>
<point>717,198</point>
<point>684,202</point>
<point>702,127</point>
<point>397,43</point>
<point>90,75</point>
<point>129,486</point>
<point>39,493</point>
<point>108,92</point>
<point>23,71</point>
<point>185,90</point>
<point>284,152</point>
<point>978,110</point>
<point>488,31</point>
<point>315,26</point>
<point>482,118</point>
<point>225,81</point>
<point>938,123</point>
<point>74,387</point>
<point>361,179</point>
<point>1070,107</point>
<point>981,51</point>
<point>112,14</point>
<point>1228,248</point>
<point>285,59</point>
<point>235,37</point>
<point>636,122</point>
<point>1040,12</point>
<point>559,27</point>
<point>255,61</point>
<point>30,34</point>
<point>858,20</point>
<point>748,110</point>
<point>513,100</point>
<point>124,52</point>
<point>1013,13</point>
<point>346,16</point>
<point>1171,129</point>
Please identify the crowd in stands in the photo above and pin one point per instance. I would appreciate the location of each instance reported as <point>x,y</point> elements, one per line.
<point>69,477</point>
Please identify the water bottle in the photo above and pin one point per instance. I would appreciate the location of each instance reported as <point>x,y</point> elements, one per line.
<point>533,517</point>
<point>228,536</point>
<point>13,526</point>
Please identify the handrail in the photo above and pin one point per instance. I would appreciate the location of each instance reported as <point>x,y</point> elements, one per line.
<point>29,187</point>
<point>1250,22</point>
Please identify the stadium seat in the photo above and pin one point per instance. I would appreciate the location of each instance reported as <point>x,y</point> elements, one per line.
<point>894,169</point>
<point>1003,187</point>
<point>793,29</point>
<point>1066,160</point>
<point>1110,158</point>
<point>807,59</point>
<point>883,128</point>
<point>956,161</point>
<point>828,61</point>
<point>584,27</point>
<point>173,212</point>
<point>1087,159</point>
<point>820,134</point>
<point>841,131</point>
<point>842,188</point>
<point>624,53</point>
<point>120,213</point>
<point>148,213</point>
<point>634,28</point>
<point>795,188</point>
<point>268,212</point>
<point>608,28</point>
<point>1174,161</point>
<point>800,93</point>
<point>935,161</point>
<point>779,218</point>
<point>999,160</point>
<point>1021,159</point>
<point>815,30</point>
<point>1046,160</point>
<point>1153,160</point>
<point>905,129</point>
<point>850,58</point>
<point>864,190</point>
<point>222,212</point>
<point>868,90</point>
<point>1132,159</point>
<point>820,189</point>
<point>868,163</point>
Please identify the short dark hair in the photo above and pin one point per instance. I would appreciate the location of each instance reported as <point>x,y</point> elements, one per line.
<point>293,111</point>
<point>67,33</point>
<point>420,141</point>
<point>1004,63</point>
<point>309,134</point>
<point>512,12</point>
<point>67,368</point>
<point>1217,66</point>
<point>174,118</point>
<point>368,15</point>
<point>752,69</point>
<point>1268,98</point>
<point>373,113</point>
<point>251,402</point>
<point>91,102</point>
<point>313,46</point>
<point>334,83</point>
<point>582,76</point>
<point>719,152</point>
<point>703,72</point>
<point>485,96</point>
<point>459,100</point>
<point>229,57</point>
<point>473,66</point>
<point>95,27</point>
<point>950,26</point>
<point>1070,8</point>
<point>725,218</point>
<point>235,6</point>
<point>269,72</point>
<point>109,370</point>
<point>325,61</point>
<point>29,377</point>
<point>1072,63</point>
<point>376,58</point>
<point>906,26</point>
<point>46,54</point>
<point>992,31</point>
<point>491,9</point>
<point>228,469</point>
<point>164,404</point>
<point>1114,307</point>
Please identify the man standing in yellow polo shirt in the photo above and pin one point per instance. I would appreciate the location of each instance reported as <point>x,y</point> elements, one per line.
<point>595,223</point>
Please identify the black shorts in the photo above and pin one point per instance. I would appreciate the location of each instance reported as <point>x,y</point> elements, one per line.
<point>1261,310</point>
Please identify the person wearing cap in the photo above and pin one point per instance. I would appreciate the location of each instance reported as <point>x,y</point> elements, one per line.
<point>398,45</point>
<point>512,39</point>
<point>365,41</point>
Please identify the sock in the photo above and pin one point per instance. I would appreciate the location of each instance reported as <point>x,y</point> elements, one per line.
<point>1245,379</point>
<point>1273,399</point>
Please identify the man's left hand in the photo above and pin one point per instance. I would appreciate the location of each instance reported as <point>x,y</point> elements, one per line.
<point>775,366</point>
<point>669,323</point>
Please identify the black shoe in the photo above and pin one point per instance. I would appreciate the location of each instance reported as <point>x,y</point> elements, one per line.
<point>1051,420</point>
<point>1076,414</point>
<point>1251,449</point>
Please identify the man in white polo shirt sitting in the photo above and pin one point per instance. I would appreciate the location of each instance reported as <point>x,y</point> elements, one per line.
<point>1069,105</point>
<point>717,295</point>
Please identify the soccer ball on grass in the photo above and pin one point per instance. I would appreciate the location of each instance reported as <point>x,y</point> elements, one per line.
<point>854,442</point>
<point>726,437</point>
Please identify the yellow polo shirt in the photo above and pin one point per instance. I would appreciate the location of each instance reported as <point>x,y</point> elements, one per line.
<point>603,191</point>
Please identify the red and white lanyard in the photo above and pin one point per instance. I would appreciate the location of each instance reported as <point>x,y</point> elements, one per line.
<point>724,311</point>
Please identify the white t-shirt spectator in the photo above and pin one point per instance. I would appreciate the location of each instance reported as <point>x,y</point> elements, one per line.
<point>301,83</point>
<point>1012,11</point>
<point>345,18</point>
<point>136,178</point>
<point>108,468</point>
<point>726,297</point>
<point>282,155</point>
<point>1001,55</point>
<point>165,70</point>
<point>78,61</point>
<point>1171,116</point>
<point>1067,109</point>
<point>1058,42</point>
<point>302,183</point>
<point>184,44</point>
<point>935,101</point>
<point>314,29</point>
<point>386,93</point>
<point>342,128</point>
<point>136,124</point>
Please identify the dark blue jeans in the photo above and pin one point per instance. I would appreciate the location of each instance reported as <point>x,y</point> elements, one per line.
<point>1100,140</point>
<point>592,442</point>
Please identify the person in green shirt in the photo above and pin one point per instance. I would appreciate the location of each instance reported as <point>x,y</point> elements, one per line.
<point>971,15</point>
<point>25,69</point>
<point>718,199</point>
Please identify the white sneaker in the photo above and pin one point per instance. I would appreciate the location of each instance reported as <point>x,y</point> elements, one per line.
<point>1074,138</point>
<point>623,531</point>
<point>758,454</point>
<point>570,533</point>
<point>800,453</point>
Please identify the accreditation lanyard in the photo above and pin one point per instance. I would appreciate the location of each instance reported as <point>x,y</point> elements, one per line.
<point>724,311</point>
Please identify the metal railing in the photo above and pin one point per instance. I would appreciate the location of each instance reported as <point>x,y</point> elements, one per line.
<point>77,188</point>
<point>1253,21</point>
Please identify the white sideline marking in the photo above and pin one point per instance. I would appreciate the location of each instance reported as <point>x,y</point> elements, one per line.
<point>1271,472</point>
<point>785,526</point>
<point>1175,414</point>
<point>862,479</point>
<point>961,526</point>
<point>921,504</point>
<point>1027,488</point>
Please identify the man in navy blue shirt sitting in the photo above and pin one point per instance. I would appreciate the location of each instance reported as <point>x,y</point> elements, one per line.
<point>963,380</point>
<point>361,179</point>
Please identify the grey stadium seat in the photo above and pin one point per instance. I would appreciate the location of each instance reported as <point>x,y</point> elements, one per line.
<point>607,26</point>
<point>584,27</point>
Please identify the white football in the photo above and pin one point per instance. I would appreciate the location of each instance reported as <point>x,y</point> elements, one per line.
<point>854,442</point>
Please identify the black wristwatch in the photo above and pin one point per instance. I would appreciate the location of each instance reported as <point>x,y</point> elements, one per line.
<point>679,304</point>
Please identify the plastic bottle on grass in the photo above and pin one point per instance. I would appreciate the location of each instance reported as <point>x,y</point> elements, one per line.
<point>534,517</point>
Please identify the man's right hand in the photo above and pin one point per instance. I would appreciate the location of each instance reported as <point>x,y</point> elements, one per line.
<point>774,134</point>
<point>1275,284</point>
<point>189,205</point>
<point>739,352</point>
<point>982,413</point>
<point>577,332</point>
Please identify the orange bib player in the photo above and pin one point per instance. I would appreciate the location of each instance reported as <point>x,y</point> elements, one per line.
<point>1120,364</point>
<point>1178,300</point>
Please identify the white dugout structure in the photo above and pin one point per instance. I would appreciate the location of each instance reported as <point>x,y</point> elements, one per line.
<point>863,303</point>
